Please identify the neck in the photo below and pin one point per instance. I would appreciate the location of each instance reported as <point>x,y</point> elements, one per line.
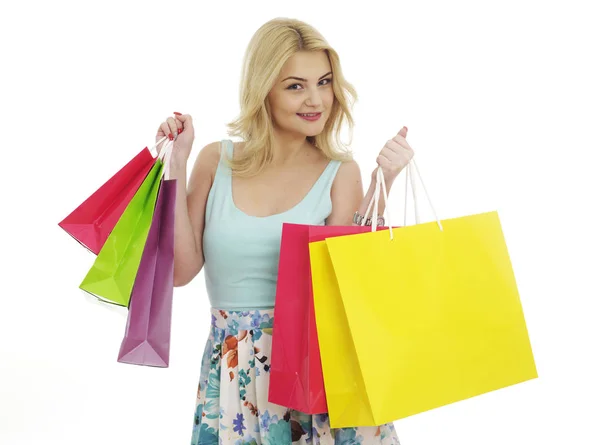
<point>287,147</point>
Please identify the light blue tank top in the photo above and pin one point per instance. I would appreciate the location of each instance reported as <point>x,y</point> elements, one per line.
<point>241,252</point>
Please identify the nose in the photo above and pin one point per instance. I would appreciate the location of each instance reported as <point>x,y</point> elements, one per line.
<point>314,97</point>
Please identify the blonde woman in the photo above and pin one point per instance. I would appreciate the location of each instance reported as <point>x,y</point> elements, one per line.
<point>288,167</point>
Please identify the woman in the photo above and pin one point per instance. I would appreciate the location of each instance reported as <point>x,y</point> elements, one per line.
<point>288,168</point>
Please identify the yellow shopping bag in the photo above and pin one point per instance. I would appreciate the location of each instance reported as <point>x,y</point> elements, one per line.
<point>434,314</point>
<point>347,401</point>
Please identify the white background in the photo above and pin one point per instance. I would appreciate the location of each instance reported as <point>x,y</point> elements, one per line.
<point>501,101</point>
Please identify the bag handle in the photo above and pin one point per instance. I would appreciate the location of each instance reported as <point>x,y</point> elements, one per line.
<point>155,147</point>
<point>413,167</point>
<point>380,187</point>
<point>165,157</point>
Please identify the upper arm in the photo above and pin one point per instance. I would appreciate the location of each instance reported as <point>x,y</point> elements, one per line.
<point>200,183</point>
<point>346,194</point>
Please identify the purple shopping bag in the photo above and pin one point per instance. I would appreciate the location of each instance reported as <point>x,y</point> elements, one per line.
<point>148,331</point>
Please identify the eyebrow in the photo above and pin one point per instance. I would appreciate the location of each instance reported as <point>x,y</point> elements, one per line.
<point>304,80</point>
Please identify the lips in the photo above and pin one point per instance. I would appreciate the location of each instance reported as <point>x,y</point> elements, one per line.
<point>310,116</point>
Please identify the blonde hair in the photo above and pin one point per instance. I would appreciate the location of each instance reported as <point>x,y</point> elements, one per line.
<point>269,49</point>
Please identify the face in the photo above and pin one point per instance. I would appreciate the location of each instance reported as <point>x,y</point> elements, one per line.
<point>303,86</point>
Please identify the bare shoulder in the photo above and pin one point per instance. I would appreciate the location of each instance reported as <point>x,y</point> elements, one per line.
<point>210,153</point>
<point>207,161</point>
<point>348,173</point>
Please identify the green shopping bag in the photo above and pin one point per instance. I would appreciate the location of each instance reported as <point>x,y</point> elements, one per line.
<point>113,273</point>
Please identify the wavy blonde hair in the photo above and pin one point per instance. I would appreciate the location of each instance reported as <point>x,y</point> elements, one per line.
<point>269,49</point>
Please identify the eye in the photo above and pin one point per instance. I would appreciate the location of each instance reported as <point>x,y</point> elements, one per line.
<point>291,87</point>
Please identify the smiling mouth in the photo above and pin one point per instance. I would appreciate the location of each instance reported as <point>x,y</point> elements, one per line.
<point>310,116</point>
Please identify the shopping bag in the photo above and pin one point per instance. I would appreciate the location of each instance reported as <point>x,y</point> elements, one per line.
<point>92,221</point>
<point>434,313</point>
<point>345,392</point>
<point>296,377</point>
<point>148,330</point>
<point>112,275</point>
<point>295,380</point>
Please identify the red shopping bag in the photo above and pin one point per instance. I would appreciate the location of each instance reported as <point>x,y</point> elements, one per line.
<point>296,379</point>
<point>93,220</point>
<point>148,330</point>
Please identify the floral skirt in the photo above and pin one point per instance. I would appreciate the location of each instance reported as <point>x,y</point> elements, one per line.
<point>232,405</point>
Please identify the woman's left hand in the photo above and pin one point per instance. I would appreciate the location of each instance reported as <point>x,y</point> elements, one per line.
<point>394,156</point>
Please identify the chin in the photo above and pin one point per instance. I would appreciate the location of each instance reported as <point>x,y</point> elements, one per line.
<point>310,133</point>
<point>316,130</point>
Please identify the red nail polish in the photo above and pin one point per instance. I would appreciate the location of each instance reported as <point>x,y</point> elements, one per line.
<point>170,136</point>
<point>175,112</point>
<point>179,130</point>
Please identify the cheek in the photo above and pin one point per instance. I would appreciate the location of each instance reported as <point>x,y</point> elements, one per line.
<point>295,103</point>
<point>284,105</point>
<point>329,98</point>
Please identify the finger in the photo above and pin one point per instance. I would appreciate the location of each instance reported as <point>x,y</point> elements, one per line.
<point>179,125</point>
<point>393,148</point>
<point>383,161</point>
<point>163,131</point>
<point>186,121</point>
<point>401,149</point>
<point>172,126</point>
<point>401,141</point>
<point>400,155</point>
<point>388,152</point>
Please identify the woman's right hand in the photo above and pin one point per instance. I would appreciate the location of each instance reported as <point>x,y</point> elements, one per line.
<point>181,130</point>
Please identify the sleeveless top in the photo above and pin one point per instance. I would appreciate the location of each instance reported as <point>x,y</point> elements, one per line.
<point>241,252</point>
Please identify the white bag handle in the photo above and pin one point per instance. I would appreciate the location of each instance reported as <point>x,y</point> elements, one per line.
<point>155,146</point>
<point>380,187</point>
<point>165,157</point>
<point>415,168</point>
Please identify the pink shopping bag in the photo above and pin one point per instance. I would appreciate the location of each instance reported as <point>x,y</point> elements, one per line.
<point>148,331</point>
<point>296,379</point>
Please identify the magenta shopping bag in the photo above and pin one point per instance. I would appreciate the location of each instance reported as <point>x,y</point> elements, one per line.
<point>94,219</point>
<point>148,330</point>
<point>296,378</point>
<point>296,375</point>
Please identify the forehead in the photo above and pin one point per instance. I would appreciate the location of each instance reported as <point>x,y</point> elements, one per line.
<point>306,64</point>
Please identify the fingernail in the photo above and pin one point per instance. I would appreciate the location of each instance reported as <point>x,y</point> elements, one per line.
<point>179,130</point>
<point>175,112</point>
<point>171,136</point>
